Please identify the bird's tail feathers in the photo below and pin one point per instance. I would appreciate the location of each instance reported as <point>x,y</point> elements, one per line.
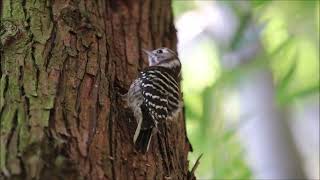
<point>142,142</point>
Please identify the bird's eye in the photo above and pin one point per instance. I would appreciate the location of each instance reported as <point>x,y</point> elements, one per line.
<point>159,51</point>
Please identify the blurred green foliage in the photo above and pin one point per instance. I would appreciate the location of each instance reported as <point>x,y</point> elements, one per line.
<point>291,42</point>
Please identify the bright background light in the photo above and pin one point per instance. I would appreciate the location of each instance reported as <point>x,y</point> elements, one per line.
<point>217,112</point>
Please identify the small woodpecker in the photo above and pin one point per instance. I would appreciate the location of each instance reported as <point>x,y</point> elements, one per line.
<point>154,96</point>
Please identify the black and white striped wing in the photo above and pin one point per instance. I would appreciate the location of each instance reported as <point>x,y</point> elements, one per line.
<point>161,94</point>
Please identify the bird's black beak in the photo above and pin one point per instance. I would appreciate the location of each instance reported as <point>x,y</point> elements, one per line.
<point>149,53</point>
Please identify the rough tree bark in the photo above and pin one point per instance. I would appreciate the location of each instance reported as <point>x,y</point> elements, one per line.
<point>63,64</point>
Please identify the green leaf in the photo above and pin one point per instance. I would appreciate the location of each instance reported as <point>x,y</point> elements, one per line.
<point>284,82</point>
<point>299,94</point>
<point>281,47</point>
<point>259,3</point>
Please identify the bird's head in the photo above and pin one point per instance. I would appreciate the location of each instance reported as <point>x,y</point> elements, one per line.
<point>163,57</point>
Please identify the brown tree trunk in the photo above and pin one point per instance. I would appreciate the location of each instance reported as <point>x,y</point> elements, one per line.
<point>63,64</point>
